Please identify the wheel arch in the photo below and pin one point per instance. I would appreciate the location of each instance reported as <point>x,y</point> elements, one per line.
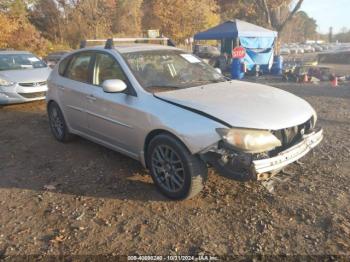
<point>49,102</point>
<point>155,133</point>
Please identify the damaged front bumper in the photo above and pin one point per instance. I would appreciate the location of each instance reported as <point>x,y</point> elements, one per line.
<point>244,167</point>
<point>287,156</point>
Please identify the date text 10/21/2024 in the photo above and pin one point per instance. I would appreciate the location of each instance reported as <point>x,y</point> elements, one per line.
<point>173,258</point>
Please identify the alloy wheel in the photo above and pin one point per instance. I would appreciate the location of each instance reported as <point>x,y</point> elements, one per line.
<point>56,122</point>
<point>168,168</point>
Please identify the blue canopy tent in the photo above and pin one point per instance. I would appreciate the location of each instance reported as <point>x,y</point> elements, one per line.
<point>258,41</point>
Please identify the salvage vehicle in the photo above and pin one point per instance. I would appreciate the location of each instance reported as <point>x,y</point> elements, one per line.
<point>53,58</point>
<point>285,51</point>
<point>23,77</point>
<point>206,51</point>
<point>177,115</point>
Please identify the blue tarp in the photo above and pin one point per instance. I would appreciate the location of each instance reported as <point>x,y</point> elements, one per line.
<point>233,29</point>
<point>258,41</point>
<point>262,57</point>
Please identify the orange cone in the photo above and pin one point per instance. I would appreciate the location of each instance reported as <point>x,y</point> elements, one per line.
<point>335,82</point>
<point>306,78</point>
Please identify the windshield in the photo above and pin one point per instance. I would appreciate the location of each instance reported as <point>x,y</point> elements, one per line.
<point>19,61</point>
<point>162,70</point>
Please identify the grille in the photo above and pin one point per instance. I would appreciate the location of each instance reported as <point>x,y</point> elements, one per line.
<point>290,136</point>
<point>33,84</point>
<point>33,95</point>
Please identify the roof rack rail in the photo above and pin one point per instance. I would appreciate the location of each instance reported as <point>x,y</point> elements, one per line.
<point>7,49</point>
<point>109,43</point>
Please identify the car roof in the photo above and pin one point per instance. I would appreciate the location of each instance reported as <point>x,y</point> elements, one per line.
<point>59,52</point>
<point>134,48</point>
<point>14,52</point>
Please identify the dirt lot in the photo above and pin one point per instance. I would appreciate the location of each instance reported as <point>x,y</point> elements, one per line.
<point>81,198</point>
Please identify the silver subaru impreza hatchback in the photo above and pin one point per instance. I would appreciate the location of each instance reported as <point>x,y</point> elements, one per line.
<point>177,115</point>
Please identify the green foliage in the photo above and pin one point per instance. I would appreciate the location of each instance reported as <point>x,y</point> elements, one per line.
<point>127,18</point>
<point>300,29</point>
<point>343,36</point>
<point>17,32</point>
<point>180,19</point>
<point>43,25</point>
<point>238,9</point>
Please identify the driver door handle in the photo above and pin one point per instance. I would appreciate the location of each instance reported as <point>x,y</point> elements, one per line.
<point>91,97</point>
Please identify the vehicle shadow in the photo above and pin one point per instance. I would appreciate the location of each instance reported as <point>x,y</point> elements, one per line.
<point>31,159</point>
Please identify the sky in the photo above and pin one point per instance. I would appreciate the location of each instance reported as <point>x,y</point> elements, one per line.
<point>328,13</point>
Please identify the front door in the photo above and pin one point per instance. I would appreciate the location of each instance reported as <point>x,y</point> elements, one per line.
<point>110,115</point>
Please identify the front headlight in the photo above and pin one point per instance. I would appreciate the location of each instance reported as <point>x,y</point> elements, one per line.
<point>249,140</point>
<point>4,82</point>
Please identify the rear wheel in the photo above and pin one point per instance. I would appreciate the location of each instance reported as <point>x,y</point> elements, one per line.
<point>58,124</point>
<point>177,173</point>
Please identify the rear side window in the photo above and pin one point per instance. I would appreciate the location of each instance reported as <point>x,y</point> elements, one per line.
<point>63,65</point>
<point>78,68</point>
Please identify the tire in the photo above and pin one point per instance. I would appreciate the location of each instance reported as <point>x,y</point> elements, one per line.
<point>58,124</point>
<point>176,172</point>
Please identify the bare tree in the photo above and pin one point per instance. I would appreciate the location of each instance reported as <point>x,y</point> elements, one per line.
<point>270,8</point>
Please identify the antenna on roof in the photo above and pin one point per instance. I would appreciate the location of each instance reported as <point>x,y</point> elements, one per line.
<point>109,44</point>
<point>83,44</point>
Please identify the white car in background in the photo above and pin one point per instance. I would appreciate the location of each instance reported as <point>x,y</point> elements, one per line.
<point>294,49</point>
<point>318,48</point>
<point>23,77</point>
<point>285,51</point>
<point>308,48</point>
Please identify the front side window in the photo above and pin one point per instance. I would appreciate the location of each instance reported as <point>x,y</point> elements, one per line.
<point>162,70</point>
<point>79,67</point>
<point>107,68</point>
<point>20,61</point>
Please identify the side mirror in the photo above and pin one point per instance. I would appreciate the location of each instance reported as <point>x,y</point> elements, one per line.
<point>114,86</point>
<point>218,70</point>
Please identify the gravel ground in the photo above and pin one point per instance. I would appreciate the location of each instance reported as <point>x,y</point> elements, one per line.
<point>83,199</point>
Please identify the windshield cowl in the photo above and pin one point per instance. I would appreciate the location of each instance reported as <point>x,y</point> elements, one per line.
<point>164,88</point>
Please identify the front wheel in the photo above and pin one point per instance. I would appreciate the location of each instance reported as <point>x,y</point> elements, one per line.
<point>176,172</point>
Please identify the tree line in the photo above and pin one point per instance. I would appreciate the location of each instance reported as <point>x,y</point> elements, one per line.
<point>43,25</point>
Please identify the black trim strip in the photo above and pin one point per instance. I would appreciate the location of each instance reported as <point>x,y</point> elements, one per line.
<point>195,111</point>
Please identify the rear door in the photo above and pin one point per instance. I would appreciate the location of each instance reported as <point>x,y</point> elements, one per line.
<point>75,87</point>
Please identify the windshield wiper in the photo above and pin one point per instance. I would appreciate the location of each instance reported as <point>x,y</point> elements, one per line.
<point>163,86</point>
<point>219,80</point>
<point>206,81</point>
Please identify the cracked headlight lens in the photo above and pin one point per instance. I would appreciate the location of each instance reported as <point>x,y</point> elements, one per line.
<point>249,140</point>
<point>4,82</point>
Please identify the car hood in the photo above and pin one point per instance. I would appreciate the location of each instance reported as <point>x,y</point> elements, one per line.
<point>244,104</point>
<point>26,75</point>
